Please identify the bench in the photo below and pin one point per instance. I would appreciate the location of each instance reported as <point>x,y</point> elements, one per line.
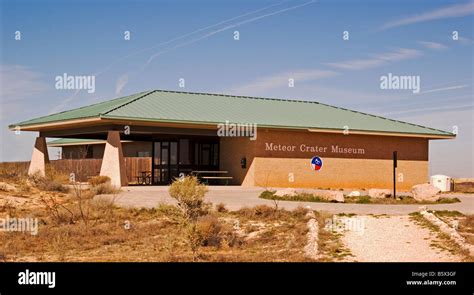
<point>207,176</point>
<point>226,178</point>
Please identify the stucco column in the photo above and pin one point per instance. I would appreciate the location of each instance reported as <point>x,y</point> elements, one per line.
<point>113,163</point>
<point>39,158</point>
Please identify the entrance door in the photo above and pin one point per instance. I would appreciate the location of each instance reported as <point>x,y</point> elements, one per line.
<point>165,161</point>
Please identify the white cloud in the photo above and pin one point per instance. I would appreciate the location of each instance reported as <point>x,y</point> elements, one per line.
<point>377,60</point>
<point>458,10</point>
<point>280,80</point>
<point>120,84</point>
<point>433,45</point>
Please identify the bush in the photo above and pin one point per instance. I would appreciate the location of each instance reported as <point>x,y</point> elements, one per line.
<point>97,180</point>
<point>190,196</point>
<point>209,228</point>
<point>259,211</point>
<point>13,170</point>
<point>211,232</point>
<point>269,195</point>
<point>300,211</point>
<point>53,181</point>
<point>363,200</point>
<point>221,208</point>
<point>104,188</point>
<point>100,185</point>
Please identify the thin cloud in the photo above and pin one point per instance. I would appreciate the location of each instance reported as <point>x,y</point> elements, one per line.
<point>452,11</point>
<point>225,29</point>
<point>446,88</point>
<point>121,82</point>
<point>377,60</point>
<point>433,45</point>
<point>186,35</point>
<point>281,80</point>
<point>212,33</point>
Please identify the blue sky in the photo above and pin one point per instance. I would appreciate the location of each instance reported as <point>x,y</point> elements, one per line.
<point>278,40</point>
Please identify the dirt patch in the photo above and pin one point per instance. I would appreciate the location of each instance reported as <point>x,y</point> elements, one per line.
<point>395,239</point>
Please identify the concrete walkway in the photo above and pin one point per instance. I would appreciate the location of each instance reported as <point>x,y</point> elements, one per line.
<point>236,197</point>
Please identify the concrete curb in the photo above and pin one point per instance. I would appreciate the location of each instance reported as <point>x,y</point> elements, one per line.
<point>311,249</point>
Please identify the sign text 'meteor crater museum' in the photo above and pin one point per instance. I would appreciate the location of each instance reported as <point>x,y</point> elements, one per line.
<point>178,131</point>
<point>334,149</point>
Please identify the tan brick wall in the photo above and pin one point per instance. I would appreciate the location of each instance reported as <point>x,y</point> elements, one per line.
<point>336,173</point>
<point>232,150</point>
<point>372,169</point>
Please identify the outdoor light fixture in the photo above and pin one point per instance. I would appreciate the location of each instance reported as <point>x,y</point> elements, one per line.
<point>243,163</point>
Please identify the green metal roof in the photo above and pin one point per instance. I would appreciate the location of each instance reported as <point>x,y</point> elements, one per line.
<point>205,108</point>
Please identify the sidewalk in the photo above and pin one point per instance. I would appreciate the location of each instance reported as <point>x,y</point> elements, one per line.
<point>236,197</point>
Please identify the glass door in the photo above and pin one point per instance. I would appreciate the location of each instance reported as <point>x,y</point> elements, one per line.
<point>165,161</point>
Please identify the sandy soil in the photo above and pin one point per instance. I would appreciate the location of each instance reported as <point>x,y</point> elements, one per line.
<point>394,239</point>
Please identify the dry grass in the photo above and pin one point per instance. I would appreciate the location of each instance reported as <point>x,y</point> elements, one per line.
<point>443,242</point>
<point>83,228</point>
<point>76,226</point>
<point>330,243</point>
<point>155,235</point>
<point>465,223</point>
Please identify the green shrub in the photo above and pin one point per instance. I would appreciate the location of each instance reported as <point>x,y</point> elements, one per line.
<point>190,196</point>
<point>363,200</point>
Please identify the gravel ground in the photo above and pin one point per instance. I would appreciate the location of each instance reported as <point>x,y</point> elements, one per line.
<point>393,239</point>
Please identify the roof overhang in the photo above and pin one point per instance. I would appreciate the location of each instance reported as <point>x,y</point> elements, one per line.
<point>98,121</point>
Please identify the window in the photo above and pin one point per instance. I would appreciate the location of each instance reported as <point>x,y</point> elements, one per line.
<point>143,154</point>
<point>184,152</point>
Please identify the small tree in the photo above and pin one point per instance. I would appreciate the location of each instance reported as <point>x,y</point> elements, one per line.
<point>189,193</point>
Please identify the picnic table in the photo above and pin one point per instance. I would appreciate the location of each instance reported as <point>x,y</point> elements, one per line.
<point>210,175</point>
<point>144,177</point>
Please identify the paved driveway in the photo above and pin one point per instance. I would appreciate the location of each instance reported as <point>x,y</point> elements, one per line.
<point>236,197</point>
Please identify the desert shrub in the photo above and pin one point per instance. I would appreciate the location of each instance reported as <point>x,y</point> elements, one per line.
<point>363,200</point>
<point>300,211</point>
<point>190,196</point>
<point>221,208</point>
<point>259,211</point>
<point>51,185</point>
<point>54,180</point>
<point>212,232</point>
<point>101,185</point>
<point>104,188</point>
<point>97,180</point>
<point>167,209</point>
<point>270,195</point>
<point>209,228</point>
<point>13,170</point>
